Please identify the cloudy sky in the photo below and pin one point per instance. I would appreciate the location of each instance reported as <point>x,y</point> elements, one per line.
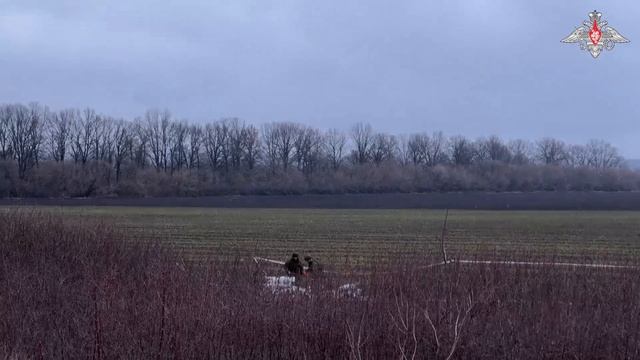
<point>471,67</point>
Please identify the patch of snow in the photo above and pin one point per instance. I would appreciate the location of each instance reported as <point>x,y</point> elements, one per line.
<point>349,290</point>
<point>282,284</point>
<point>287,284</point>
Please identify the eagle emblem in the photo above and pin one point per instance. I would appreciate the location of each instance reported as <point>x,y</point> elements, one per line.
<point>594,35</point>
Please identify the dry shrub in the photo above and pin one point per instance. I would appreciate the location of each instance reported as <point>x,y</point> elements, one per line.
<point>70,290</point>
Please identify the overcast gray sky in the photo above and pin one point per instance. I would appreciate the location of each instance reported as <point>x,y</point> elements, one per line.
<point>471,67</point>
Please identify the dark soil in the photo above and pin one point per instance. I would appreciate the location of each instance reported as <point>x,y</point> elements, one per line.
<point>461,200</point>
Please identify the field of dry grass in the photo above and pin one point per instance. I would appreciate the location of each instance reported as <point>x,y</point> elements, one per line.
<point>357,236</point>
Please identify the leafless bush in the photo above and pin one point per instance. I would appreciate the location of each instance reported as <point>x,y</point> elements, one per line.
<point>71,290</point>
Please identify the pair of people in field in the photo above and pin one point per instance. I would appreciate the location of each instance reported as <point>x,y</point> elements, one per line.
<point>295,267</point>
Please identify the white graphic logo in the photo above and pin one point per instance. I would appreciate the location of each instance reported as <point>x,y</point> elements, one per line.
<point>594,35</point>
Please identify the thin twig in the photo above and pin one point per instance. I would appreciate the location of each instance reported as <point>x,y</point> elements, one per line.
<point>443,235</point>
<point>433,327</point>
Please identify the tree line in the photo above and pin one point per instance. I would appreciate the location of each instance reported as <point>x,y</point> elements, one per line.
<point>74,152</point>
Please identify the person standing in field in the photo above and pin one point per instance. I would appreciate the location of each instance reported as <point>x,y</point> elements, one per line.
<point>294,266</point>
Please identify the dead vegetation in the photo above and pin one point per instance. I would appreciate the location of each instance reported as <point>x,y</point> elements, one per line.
<point>83,290</point>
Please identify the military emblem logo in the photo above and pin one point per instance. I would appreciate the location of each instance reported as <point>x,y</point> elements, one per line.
<point>594,35</point>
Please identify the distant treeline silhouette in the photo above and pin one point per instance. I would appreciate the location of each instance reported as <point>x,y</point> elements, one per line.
<point>74,152</point>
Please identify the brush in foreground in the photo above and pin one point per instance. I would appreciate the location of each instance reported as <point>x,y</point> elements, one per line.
<point>86,291</point>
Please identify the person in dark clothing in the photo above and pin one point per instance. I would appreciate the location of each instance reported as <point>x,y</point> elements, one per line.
<point>294,266</point>
<point>312,265</point>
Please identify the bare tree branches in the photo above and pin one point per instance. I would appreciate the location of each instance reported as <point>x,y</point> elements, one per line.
<point>551,151</point>
<point>280,142</point>
<point>84,129</point>
<point>60,126</point>
<point>404,321</point>
<point>462,150</point>
<point>383,148</point>
<point>355,340</point>
<point>427,150</point>
<point>6,114</point>
<point>123,142</point>
<point>335,143</point>
<point>195,138</point>
<point>362,137</point>
<point>436,338</point>
<point>464,310</point>
<point>520,151</point>
<point>25,133</point>
<point>229,147</point>
<point>602,155</point>
<point>157,127</point>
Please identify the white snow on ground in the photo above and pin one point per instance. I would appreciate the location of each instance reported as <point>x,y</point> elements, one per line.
<point>533,263</point>
<point>278,284</point>
<point>349,290</point>
<point>287,284</point>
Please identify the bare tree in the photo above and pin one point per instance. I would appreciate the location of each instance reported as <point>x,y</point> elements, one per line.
<point>480,151</point>
<point>39,114</point>
<point>551,151</point>
<point>213,144</point>
<point>602,155</point>
<point>60,131</point>
<point>123,142</point>
<point>279,139</point>
<point>138,149</point>
<point>177,146</point>
<point>403,155</point>
<point>285,141</point>
<point>577,156</point>
<point>417,148</point>
<point>195,143</point>
<point>462,150</point>
<point>157,127</point>
<point>383,148</point>
<point>235,142</point>
<point>434,152</point>
<point>251,146</point>
<point>334,144</point>
<point>520,151</point>
<point>25,134</point>
<point>269,141</point>
<point>362,136</point>
<point>103,139</point>
<point>5,141</point>
<point>308,144</point>
<point>493,149</point>
<point>223,132</point>
<point>84,129</point>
